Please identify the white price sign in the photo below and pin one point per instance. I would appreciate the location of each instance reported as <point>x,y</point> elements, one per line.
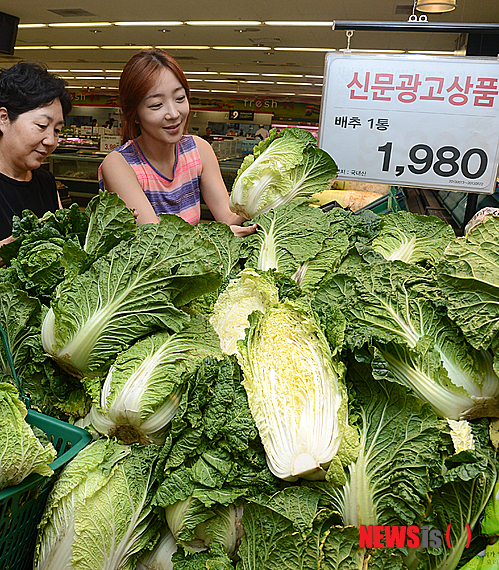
<point>109,142</point>
<point>407,120</point>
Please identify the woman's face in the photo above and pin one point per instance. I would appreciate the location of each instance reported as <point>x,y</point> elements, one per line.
<point>164,111</point>
<point>28,140</point>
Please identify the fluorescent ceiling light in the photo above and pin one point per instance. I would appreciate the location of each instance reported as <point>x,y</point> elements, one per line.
<point>250,48</point>
<point>87,77</point>
<point>74,86</point>
<point>285,94</point>
<point>357,50</point>
<point>303,49</point>
<point>298,23</point>
<point>200,90</point>
<point>57,70</point>
<point>31,47</point>
<point>200,72</point>
<point>113,78</point>
<point>256,81</point>
<point>239,73</point>
<point>113,70</point>
<point>67,77</point>
<point>110,87</point>
<point>184,47</point>
<point>32,26</point>
<point>86,70</point>
<point>291,83</point>
<point>74,47</point>
<point>197,80</point>
<point>220,91</point>
<point>318,84</point>
<point>223,23</point>
<point>280,75</point>
<point>217,80</point>
<point>148,23</point>
<point>125,47</point>
<point>310,95</point>
<point>79,24</point>
<point>315,76</point>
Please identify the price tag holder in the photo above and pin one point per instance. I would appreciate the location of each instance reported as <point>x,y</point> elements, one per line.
<point>109,142</point>
<point>422,121</point>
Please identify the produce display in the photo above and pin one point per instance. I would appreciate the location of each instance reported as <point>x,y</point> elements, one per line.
<point>319,395</point>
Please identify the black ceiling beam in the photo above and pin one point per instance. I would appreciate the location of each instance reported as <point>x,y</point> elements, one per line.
<point>416,26</point>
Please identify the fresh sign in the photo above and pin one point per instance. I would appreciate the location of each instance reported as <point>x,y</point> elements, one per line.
<point>413,121</point>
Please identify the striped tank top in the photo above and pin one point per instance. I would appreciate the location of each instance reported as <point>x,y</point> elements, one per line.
<point>179,195</point>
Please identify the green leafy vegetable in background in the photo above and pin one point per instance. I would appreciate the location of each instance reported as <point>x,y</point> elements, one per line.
<point>283,167</point>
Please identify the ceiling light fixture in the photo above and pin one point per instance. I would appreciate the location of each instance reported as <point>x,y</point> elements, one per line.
<point>86,70</point>
<point>280,75</point>
<point>222,23</point>
<point>303,49</point>
<point>148,23</point>
<point>74,47</point>
<point>244,74</point>
<point>183,47</point>
<point>243,48</point>
<point>201,72</point>
<point>31,47</point>
<point>79,24</point>
<point>298,23</point>
<point>32,26</point>
<point>435,6</point>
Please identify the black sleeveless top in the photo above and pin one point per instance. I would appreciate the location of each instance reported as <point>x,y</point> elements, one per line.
<point>38,195</point>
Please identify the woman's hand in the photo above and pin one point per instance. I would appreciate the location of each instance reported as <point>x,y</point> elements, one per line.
<point>241,231</point>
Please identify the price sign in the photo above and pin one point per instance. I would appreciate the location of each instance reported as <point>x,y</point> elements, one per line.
<point>109,142</point>
<point>418,121</point>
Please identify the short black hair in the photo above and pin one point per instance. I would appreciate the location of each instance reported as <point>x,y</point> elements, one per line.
<point>28,85</point>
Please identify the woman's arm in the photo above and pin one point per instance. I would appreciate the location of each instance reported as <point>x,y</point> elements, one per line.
<point>215,193</point>
<point>120,178</point>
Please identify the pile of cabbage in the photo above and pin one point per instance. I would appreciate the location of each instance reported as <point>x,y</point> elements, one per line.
<point>256,401</point>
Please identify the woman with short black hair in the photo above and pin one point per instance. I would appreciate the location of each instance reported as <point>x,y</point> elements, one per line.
<point>33,106</point>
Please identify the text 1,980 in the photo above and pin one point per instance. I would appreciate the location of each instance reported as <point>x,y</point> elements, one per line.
<point>446,161</point>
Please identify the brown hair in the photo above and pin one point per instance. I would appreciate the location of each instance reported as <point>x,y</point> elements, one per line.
<point>137,78</point>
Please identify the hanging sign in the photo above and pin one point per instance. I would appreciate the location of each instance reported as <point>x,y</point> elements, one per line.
<point>422,121</point>
<point>234,115</point>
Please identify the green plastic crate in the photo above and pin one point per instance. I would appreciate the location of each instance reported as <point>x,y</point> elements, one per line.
<point>21,506</point>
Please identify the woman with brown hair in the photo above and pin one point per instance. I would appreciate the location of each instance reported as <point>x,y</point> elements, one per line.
<point>160,169</point>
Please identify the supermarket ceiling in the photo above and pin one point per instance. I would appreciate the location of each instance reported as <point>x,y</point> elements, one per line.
<point>255,48</point>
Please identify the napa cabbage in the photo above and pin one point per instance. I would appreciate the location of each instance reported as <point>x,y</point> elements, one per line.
<point>196,528</point>
<point>143,388</point>
<point>286,237</point>
<point>21,453</point>
<point>396,309</point>
<point>136,288</point>
<point>98,514</point>
<point>295,390</point>
<point>249,292</point>
<point>412,238</point>
<point>160,558</point>
<point>283,167</point>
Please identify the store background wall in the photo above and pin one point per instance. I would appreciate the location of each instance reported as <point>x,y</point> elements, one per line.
<point>85,113</point>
